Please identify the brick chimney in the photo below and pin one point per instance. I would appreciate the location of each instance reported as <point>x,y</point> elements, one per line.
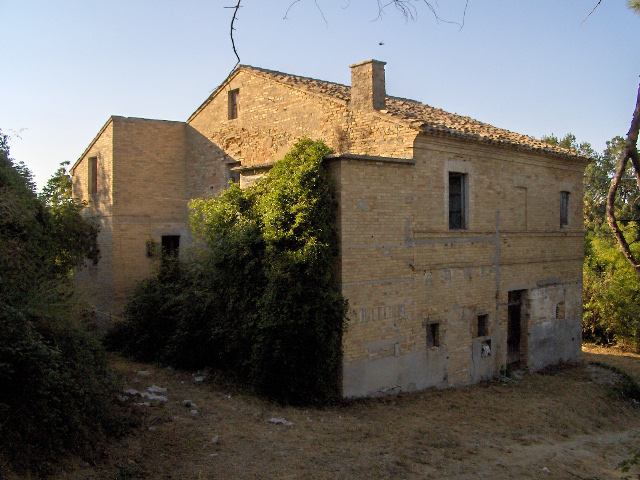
<point>367,86</point>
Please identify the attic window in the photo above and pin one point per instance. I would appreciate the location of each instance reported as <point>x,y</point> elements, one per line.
<point>233,104</point>
<point>93,175</point>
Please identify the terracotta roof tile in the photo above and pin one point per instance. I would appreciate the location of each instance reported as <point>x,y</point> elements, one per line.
<point>424,117</point>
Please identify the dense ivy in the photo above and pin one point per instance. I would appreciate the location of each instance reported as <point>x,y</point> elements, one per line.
<point>257,298</point>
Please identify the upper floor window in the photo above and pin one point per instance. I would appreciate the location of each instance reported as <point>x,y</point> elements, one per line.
<point>170,246</point>
<point>93,175</point>
<point>564,209</point>
<point>458,207</point>
<point>233,104</point>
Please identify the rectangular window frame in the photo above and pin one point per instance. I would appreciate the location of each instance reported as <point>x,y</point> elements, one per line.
<point>170,245</point>
<point>482,327</point>
<point>565,197</point>
<point>458,200</point>
<point>433,335</point>
<point>92,175</point>
<point>232,104</point>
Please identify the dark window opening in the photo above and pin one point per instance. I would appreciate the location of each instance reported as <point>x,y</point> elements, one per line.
<point>457,201</point>
<point>233,104</point>
<point>233,175</point>
<point>93,175</point>
<point>170,246</point>
<point>433,335</point>
<point>560,313</point>
<point>564,209</point>
<point>483,325</point>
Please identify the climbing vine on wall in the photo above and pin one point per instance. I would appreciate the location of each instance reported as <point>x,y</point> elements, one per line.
<point>258,296</point>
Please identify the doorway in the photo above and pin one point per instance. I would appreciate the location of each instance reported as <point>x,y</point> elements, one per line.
<point>516,352</point>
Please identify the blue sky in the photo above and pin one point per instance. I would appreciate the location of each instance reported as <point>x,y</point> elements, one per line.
<point>530,67</point>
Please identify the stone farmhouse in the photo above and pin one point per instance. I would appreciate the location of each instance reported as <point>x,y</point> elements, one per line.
<point>461,243</point>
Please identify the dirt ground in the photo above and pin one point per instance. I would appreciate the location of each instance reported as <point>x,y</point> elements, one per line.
<point>565,423</point>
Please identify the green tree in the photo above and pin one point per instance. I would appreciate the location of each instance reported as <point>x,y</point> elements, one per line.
<point>56,392</point>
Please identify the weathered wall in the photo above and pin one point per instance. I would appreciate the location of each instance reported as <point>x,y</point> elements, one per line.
<point>402,268</point>
<point>95,283</point>
<point>141,196</point>
<point>272,116</point>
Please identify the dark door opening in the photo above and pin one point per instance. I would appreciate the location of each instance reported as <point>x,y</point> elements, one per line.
<point>515,351</point>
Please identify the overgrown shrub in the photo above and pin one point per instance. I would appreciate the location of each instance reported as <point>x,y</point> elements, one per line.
<point>257,298</point>
<point>56,394</point>
<point>611,295</point>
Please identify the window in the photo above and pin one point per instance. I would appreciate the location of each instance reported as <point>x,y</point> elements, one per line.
<point>433,335</point>
<point>457,201</point>
<point>233,175</point>
<point>170,246</point>
<point>483,325</point>
<point>564,209</point>
<point>560,310</point>
<point>93,175</point>
<point>233,104</point>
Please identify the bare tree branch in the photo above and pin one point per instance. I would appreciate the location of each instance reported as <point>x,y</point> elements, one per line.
<point>233,19</point>
<point>594,9</point>
<point>409,11</point>
<point>290,6</point>
<point>630,153</point>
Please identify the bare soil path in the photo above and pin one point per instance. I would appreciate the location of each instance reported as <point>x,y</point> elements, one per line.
<point>566,423</point>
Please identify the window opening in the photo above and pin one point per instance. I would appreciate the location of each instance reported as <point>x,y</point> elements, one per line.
<point>560,310</point>
<point>233,104</point>
<point>564,209</point>
<point>457,201</point>
<point>93,175</point>
<point>170,246</point>
<point>433,335</point>
<point>233,175</point>
<point>483,325</point>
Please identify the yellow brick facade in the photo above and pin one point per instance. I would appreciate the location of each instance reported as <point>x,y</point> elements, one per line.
<point>418,290</point>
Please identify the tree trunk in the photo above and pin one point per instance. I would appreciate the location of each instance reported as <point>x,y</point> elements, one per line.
<point>630,153</point>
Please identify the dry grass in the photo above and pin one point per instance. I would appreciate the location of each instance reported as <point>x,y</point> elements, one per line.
<point>565,423</point>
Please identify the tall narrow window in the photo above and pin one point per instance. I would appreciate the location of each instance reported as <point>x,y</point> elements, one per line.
<point>233,104</point>
<point>564,209</point>
<point>483,325</point>
<point>93,175</point>
<point>457,201</point>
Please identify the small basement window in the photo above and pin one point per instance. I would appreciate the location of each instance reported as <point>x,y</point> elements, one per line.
<point>93,175</point>
<point>233,104</point>
<point>433,335</point>
<point>560,310</point>
<point>483,325</point>
<point>564,209</point>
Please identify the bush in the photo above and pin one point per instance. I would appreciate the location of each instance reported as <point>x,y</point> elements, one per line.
<point>257,297</point>
<point>56,394</point>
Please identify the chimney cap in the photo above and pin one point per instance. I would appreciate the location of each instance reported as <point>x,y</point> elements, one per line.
<point>367,61</point>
